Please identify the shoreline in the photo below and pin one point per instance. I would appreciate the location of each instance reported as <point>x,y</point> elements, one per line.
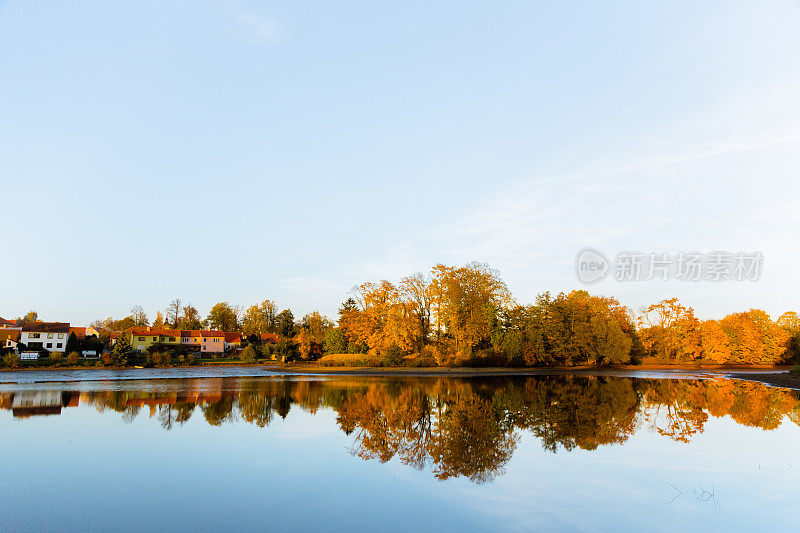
<point>774,376</point>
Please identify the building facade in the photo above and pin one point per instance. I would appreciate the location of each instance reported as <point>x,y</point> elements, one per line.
<point>50,336</point>
<point>204,341</point>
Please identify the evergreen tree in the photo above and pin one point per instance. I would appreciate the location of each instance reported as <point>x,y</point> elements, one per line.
<point>73,344</point>
<point>120,351</point>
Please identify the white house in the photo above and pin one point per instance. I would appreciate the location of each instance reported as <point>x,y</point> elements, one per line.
<point>9,338</point>
<point>50,336</point>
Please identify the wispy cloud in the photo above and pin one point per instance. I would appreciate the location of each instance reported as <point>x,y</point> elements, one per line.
<point>258,27</point>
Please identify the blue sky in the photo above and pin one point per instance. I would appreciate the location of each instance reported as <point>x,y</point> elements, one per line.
<point>240,151</point>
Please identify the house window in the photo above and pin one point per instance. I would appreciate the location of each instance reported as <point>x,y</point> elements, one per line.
<point>58,345</point>
<point>172,339</point>
<point>60,335</point>
<point>49,344</point>
<point>141,338</point>
<point>49,335</point>
<point>33,335</point>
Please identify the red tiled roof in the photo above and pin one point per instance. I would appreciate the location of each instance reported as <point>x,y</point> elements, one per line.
<point>4,322</point>
<point>233,337</point>
<point>138,330</point>
<point>165,332</point>
<point>270,337</point>
<point>47,327</point>
<point>12,334</point>
<point>79,332</point>
<point>208,333</point>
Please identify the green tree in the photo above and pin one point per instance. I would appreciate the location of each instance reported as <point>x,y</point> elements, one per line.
<point>334,341</point>
<point>121,350</point>
<point>223,316</point>
<point>73,344</point>
<point>285,321</point>
<point>249,355</point>
<point>260,319</point>
<point>394,355</point>
<point>30,318</point>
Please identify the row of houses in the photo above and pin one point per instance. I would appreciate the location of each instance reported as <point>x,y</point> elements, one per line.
<point>196,340</point>
<point>53,337</point>
<point>37,336</point>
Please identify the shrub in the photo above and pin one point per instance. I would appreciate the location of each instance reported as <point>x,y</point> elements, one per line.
<point>73,358</point>
<point>350,359</point>
<point>249,355</point>
<point>11,360</point>
<point>159,359</point>
<point>55,357</point>
<point>394,355</point>
<point>420,361</point>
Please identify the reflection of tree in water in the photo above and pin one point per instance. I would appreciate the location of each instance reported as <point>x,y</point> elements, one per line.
<point>463,427</point>
<point>671,412</point>
<point>219,412</point>
<point>179,413</point>
<point>570,411</point>
<point>471,439</point>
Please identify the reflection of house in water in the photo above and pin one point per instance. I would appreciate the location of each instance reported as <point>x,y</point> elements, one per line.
<point>25,404</point>
<point>32,403</point>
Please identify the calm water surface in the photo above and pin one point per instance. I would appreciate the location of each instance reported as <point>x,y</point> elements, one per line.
<point>361,453</point>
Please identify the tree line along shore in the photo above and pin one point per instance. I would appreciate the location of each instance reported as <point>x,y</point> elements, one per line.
<point>452,317</point>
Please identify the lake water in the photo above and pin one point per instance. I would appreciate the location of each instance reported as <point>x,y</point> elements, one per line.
<point>99,451</point>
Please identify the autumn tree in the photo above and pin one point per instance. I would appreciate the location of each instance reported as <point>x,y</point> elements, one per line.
<point>577,328</point>
<point>714,343</point>
<point>316,324</point>
<point>30,317</point>
<point>159,321</point>
<point>790,322</point>
<point>464,304</point>
<point>755,338</point>
<point>223,316</point>
<point>415,292</point>
<point>139,316</point>
<point>190,318</point>
<point>382,319</point>
<point>670,331</point>
<point>304,343</point>
<point>173,313</point>
<point>260,319</point>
